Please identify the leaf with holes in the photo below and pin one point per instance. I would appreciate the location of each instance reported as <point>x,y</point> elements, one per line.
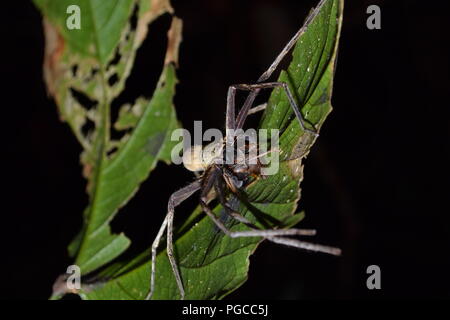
<point>85,69</point>
<point>212,265</point>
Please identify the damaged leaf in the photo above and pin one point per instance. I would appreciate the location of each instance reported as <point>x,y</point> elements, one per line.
<point>85,70</point>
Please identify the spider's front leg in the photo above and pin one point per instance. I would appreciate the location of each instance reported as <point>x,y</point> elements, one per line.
<point>175,199</point>
<point>245,111</point>
<point>255,88</point>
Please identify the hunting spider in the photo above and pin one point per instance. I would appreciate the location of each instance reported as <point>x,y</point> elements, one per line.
<point>219,180</point>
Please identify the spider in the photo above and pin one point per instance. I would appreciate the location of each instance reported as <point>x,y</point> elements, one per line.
<point>219,179</point>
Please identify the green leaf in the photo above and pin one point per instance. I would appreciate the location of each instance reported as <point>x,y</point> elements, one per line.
<point>84,70</point>
<point>120,177</point>
<point>213,265</point>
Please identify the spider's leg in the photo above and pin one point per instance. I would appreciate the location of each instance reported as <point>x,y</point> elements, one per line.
<point>250,233</point>
<point>266,75</point>
<point>155,245</point>
<point>306,245</point>
<point>175,199</point>
<point>292,103</point>
<point>258,108</point>
<point>230,121</point>
<point>219,187</point>
<point>243,113</point>
<point>281,238</point>
<point>277,236</point>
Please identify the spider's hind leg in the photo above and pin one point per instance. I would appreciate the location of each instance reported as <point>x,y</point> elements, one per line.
<point>280,236</point>
<point>274,235</point>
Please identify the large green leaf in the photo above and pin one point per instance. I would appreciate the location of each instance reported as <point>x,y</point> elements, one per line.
<point>120,177</point>
<point>213,265</point>
<point>85,69</point>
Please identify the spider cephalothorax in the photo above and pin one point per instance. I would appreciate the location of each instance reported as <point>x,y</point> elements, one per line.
<point>236,164</point>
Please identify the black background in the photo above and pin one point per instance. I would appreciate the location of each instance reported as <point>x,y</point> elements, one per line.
<point>375,183</point>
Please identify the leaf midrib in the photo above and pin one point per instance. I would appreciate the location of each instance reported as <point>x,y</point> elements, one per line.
<point>101,139</point>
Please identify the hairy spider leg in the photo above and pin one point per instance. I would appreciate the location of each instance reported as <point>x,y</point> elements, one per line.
<point>281,234</point>
<point>243,113</point>
<point>175,199</point>
<point>213,179</point>
<point>268,234</point>
<point>258,108</point>
<point>256,87</point>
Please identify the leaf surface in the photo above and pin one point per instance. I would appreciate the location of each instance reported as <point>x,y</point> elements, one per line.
<point>85,70</point>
